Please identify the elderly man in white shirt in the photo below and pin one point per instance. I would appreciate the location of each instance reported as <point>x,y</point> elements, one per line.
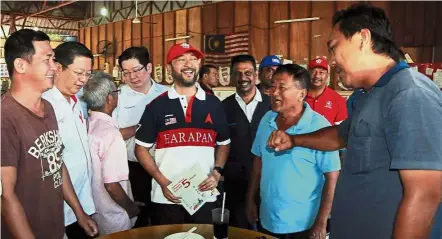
<point>74,65</point>
<point>138,92</point>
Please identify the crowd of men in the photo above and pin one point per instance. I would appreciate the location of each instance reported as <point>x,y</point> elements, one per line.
<point>274,146</point>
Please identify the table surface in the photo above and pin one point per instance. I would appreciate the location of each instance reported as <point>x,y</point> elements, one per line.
<point>160,232</point>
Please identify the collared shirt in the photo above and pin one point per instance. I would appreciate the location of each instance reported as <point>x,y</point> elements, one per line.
<point>185,133</point>
<point>292,181</point>
<point>329,104</point>
<point>109,164</point>
<point>249,109</point>
<point>76,154</point>
<point>207,89</point>
<point>393,126</point>
<point>131,105</point>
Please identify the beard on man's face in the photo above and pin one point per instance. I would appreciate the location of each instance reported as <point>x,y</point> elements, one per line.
<point>179,77</point>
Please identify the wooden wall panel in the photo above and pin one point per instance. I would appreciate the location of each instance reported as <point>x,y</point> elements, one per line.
<point>419,54</point>
<point>225,17</point>
<point>259,33</point>
<point>127,34</point>
<point>136,34</point>
<point>209,19</point>
<point>431,23</point>
<point>418,16</point>
<point>87,37</point>
<point>242,16</point>
<point>195,28</point>
<point>94,43</point>
<point>322,27</point>
<point>279,33</point>
<point>101,37</point>
<point>110,37</point>
<point>146,25</point>
<point>415,26</point>
<point>118,34</point>
<point>300,32</point>
<point>81,35</point>
<point>157,40</point>
<point>181,24</point>
<point>169,32</point>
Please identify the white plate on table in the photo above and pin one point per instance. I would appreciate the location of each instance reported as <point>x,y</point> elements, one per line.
<point>180,234</point>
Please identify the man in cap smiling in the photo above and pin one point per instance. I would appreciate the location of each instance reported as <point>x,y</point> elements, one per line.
<point>267,67</point>
<point>186,124</point>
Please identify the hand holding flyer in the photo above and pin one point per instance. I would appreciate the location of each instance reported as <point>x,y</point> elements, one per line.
<point>187,188</point>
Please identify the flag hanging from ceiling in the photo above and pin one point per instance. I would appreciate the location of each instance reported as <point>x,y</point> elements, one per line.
<point>219,49</point>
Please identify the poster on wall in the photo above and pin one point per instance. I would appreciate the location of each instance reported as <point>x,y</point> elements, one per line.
<point>3,70</point>
<point>158,73</point>
<point>224,75</point>
<point>168,77</point>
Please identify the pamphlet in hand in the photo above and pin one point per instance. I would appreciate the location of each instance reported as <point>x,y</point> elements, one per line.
<point>187,187</point>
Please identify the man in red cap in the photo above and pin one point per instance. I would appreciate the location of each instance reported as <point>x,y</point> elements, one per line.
<point>321,98</point>
<point>186,125</point>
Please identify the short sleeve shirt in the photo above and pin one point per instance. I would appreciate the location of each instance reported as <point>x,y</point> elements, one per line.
<point>185,133</point>
<point>131,106</point>
<point>292,181</point>
<point>329,104</point>
<point>76,154</point>
<point>32,145</point>
<point>109,165</point>
<point>394,126</point>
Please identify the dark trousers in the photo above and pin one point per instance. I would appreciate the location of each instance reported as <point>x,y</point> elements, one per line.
<point>75,231</point>
<point>436,233</point>
<point>297,235</point>
<point>141,183</point>
<point>164,214</point>
<point>236,191</point>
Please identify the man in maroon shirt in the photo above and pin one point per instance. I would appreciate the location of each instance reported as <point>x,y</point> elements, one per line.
<point>321,98</point>
<point>34,178</point>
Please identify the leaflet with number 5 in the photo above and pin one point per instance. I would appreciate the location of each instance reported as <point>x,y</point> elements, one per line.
<point>187,188</point>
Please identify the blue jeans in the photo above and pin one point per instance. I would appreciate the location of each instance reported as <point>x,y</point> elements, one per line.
<point>437,225</point>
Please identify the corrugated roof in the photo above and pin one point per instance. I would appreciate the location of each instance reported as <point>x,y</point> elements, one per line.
<point>49,26</point>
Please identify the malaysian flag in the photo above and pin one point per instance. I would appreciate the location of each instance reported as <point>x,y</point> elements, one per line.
<point>219,49</point>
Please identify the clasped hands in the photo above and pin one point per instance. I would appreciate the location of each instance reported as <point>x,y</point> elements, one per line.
<point>209,183</point>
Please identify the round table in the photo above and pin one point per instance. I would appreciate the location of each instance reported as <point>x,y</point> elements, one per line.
<point>160,232</point>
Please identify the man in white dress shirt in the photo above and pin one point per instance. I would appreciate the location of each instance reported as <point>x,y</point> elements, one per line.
<point>138,92</point>
<point>74,65</point>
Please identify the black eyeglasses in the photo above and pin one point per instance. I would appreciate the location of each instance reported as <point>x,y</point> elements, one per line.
<point>115,91</point>
<point>80,72</point>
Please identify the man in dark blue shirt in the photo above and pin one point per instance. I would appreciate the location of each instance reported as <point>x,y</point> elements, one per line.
<point>391,182</point>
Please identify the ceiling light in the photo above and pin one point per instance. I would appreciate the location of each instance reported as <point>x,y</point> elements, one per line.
<point>136,20</point>
<point>103,11</point>
<point>177,38</point>
<point>298,20</point>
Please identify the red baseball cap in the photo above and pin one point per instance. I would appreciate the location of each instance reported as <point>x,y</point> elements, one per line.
<point>179,49</point>
<point>318,62</point>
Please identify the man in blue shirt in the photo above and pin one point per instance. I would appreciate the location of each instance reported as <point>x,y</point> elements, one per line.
<point>391,182</point>
<point>296,186</point>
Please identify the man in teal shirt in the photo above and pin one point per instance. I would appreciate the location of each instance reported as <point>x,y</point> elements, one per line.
<point>296,186</point>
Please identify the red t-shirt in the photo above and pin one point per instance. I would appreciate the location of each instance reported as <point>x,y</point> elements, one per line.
<point>329,104</point>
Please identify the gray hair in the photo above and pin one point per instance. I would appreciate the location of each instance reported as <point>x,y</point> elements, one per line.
<point>96,90</point>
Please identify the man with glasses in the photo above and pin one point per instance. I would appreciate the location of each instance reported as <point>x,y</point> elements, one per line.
<point>244,111</point>
<point>138,92</point>
<point>267,67</point>
<point>74,67</point>
<point>112,194</point>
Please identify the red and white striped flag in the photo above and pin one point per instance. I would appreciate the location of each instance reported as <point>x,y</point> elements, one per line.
<point>235,44</point>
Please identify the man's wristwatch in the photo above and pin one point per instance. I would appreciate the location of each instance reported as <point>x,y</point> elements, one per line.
<point>219,170</point>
